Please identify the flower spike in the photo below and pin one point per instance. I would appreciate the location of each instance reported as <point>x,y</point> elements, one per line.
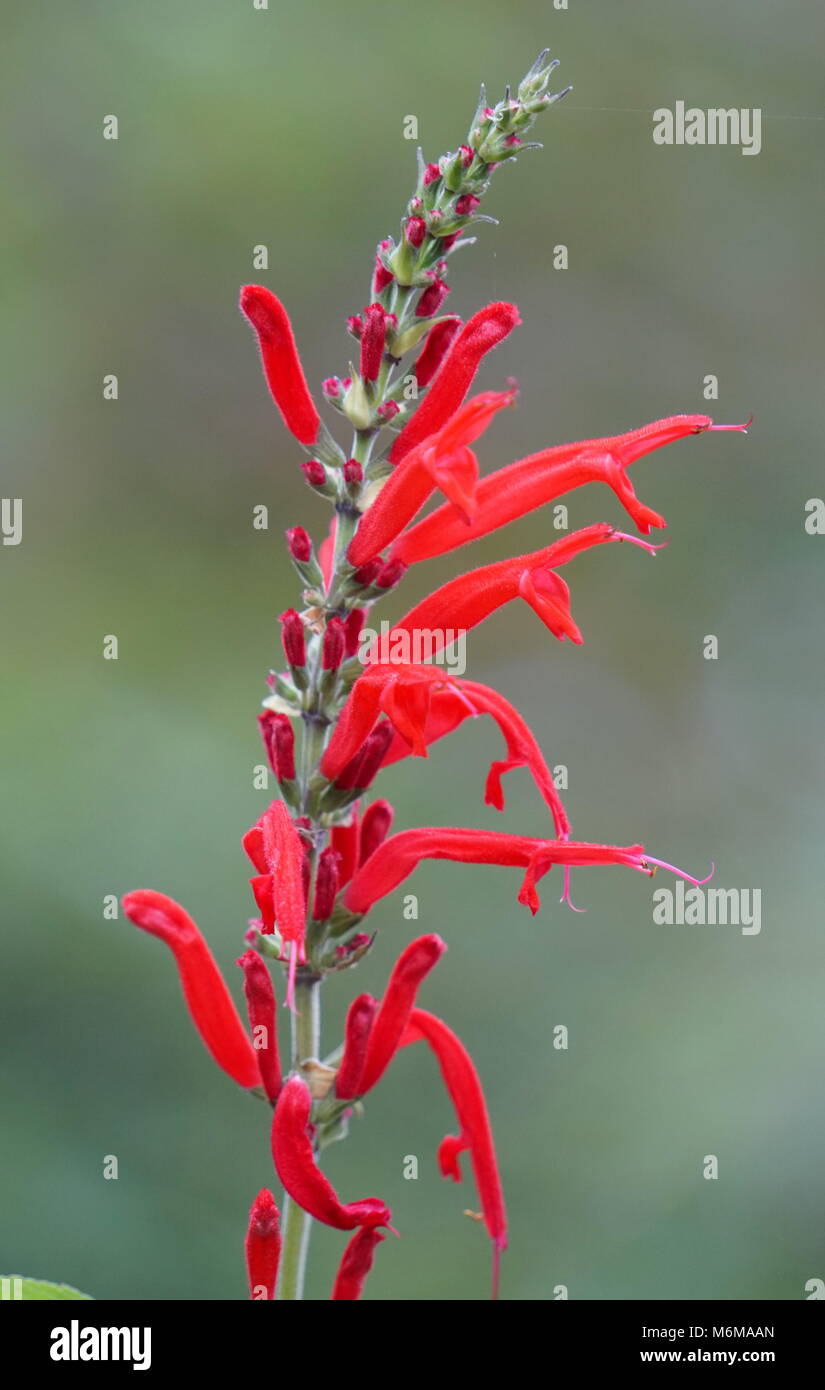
<point>301,1176</point>
<point>209,1001</point>
<point>263,1246</point>
<point>281,363</point>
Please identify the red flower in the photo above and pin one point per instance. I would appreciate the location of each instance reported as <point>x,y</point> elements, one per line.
<point>514,491</point>
<point>356,1037</point>
<point>436,345</point>
<point>260,1003</point>
<point>299,1173</point>
<point>455,701</point>
<point>282,365</point>
<point>356,1263</point>
<point>276,851</point>
<point>464,602</point>
<point>442,461</point>
<point>462,1082</point>
<point>263,1246</point>
<point>416,961</point>
<point>483,332</point>
<point>423,705</point>
<point>206,995</point>
<point>398,856</point>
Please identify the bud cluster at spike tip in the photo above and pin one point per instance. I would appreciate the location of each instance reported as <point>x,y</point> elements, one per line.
<point>324,856</point>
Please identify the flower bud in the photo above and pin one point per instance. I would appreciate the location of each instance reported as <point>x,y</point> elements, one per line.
<point>372,341</point>
<point>355,326</point>
<point>432,299</point>
<point>353,472</point>
<point>431,174</point>
<point>364,767</point>
<point>415,231</point>
<point>466,204</point>
<point>388,410</point>
<point>292,636</point>
<point>327,883</point>
<point>299,543</point>
<point>279,741</point>
<point>314,472</point>
<point>332,651</point>
<point>352,630</point>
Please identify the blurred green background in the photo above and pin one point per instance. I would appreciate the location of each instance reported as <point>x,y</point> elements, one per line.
<point>284,127</point>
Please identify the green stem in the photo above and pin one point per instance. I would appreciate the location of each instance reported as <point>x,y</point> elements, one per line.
<point>297,1224</point>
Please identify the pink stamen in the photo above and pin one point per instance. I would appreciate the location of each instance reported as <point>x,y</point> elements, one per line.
<point>743,429</point>
<point>637,540</point>
<point>680,873</point>
<point>565,897</point>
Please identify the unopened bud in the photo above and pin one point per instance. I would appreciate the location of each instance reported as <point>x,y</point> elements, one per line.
<point>299,543</point>
<point>415,231</point>
<point>327,882</point>
<point>332,651</point>
<point>292,636</point>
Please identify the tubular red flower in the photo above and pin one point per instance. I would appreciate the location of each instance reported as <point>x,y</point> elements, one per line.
<point>356,1036</point>
<point>512,492</point>
<point>398,856</point>
<point>436,346</point>
<point>299,1173</point>
<point>372,341</point>
<point>281,363</point>
<point>260,1004</point>
<point>207,997</point>
<point>279,741</point>
<point>442,461</point>
<point>464,602</point>
<point>416,961</point>
<point>455,701</point>
<point>464,1088</point>
<point>481,333</point>
<point>375,827</point>
<point>356,1263</point>
<point>263,1246</point>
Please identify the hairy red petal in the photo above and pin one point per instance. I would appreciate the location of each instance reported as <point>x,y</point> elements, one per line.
<point>356,1036</point>
<point>512,492</point>
<point>263,1246</point>
<point>481,333</point>
<point>261,1007</point>
<point>356,1263</point>
<point>301,1176</point>
<point>281,363</point>
<point>414,963</point>
<point>465,1091</point>
<point>209,1001</point>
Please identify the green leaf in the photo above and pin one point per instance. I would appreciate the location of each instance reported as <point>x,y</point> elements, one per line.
<point>14,1286</point>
